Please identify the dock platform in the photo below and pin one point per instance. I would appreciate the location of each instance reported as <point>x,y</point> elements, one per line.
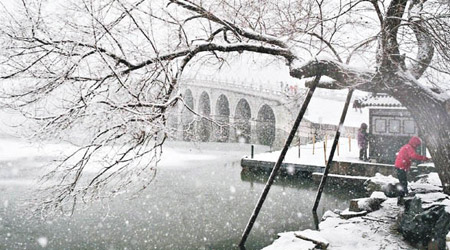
<point>290,168</point>
<point>352,168</point>
<point>352,172</point>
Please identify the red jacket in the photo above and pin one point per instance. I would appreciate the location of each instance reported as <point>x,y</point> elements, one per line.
<point>408,152</point>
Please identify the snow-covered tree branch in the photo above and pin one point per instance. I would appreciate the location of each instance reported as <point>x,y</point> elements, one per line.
<point>112,68</point>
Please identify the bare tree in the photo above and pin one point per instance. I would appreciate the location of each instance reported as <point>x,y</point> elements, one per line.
<point>112,68</point>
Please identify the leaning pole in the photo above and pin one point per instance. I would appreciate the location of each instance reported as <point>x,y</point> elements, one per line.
<point>333,149</point>
<point>277,166</point>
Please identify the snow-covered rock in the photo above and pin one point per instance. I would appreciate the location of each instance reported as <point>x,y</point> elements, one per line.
<point>330,214</point>
<point>370,232</point>
<point>367,204</point>
<point>381,183</point>
<point>427,183</point>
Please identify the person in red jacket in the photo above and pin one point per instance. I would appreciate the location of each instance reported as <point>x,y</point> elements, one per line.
<point>403,161</point>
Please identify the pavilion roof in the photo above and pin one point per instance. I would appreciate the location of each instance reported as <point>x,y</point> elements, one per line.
<point>379,101</point>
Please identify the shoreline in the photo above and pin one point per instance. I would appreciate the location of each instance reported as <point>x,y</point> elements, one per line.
<point>372,230</point>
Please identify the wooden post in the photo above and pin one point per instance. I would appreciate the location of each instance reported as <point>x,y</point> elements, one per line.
<point>338,148</point>
<point>277,165</point>
<point>314,143</point>
<point>325,153</point>
<point>333,148</point>
<point>299,143</point>
<point>350,143</point>
<point>252,151</point>
<point>316,220</point>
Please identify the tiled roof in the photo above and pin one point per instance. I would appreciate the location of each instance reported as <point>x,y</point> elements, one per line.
<point>380,100</point>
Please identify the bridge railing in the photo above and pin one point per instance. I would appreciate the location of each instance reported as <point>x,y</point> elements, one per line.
<point>268,89</point>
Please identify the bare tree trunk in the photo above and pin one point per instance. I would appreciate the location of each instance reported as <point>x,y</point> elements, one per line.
<point>433,120</point>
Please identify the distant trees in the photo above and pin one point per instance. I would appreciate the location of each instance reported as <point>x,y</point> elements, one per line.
<point>112,68</point>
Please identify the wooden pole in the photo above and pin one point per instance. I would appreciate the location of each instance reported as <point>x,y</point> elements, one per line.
<point>316,220</point>
<point>277,166</point>
<point>299,143</point>
<point>333,148</point>
<point>338,148</point>
<point>314,143</point>
<point>325,152</point>
<point>350,143</point>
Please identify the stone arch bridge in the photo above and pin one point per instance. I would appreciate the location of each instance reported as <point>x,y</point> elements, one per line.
<point>227,111</point>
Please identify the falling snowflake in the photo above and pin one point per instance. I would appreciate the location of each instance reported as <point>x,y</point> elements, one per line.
<point>290,170</point>
<point>43,241</point>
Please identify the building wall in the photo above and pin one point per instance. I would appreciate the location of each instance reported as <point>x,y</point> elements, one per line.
<point>389,129</point>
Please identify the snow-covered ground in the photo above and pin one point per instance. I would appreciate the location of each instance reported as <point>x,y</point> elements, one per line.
<point>376,230</point>
<point>315,155</point>
<point>326,108</point>
<point>373,231</point>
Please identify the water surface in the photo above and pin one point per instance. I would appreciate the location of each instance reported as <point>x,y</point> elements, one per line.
<point>201,202</point>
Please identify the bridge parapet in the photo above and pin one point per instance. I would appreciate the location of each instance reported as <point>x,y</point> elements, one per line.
<point>267,91</point>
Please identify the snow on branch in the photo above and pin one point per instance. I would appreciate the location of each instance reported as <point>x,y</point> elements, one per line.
<point>236,47</point>
<point>344,76</point>
<point>238,31</point>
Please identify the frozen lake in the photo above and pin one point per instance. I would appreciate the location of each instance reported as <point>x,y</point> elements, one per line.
<point>199,200</point>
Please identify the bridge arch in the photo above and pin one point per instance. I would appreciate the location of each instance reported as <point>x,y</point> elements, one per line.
<point>187,117</point>
<point>242,118</point>
<point>266,125</point>
<point>204,126</point>
<point>222,115</point>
